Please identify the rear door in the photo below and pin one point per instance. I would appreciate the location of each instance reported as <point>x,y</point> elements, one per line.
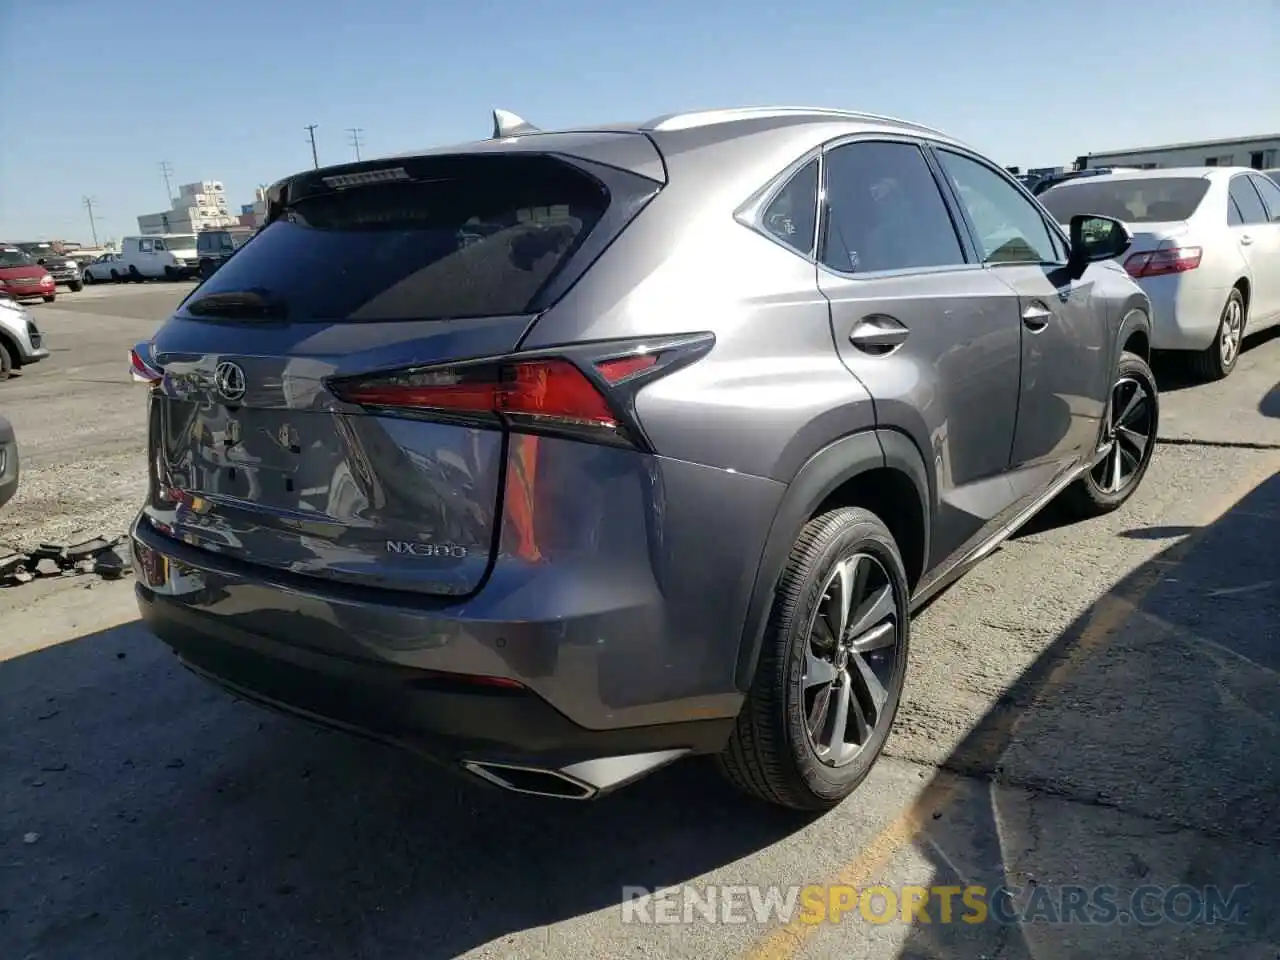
<point>1250,227</point>
<point>932,335</point>
<point>373,273</point>
<point>1267,250</point>
<point>1066,339</point>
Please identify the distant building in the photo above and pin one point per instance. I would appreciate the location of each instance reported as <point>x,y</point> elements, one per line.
<point>197,207</point>
<point>254,214</point>
<point>1260,153</point>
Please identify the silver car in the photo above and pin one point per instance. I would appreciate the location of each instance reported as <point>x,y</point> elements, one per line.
<point>21,342</point>
<point>559,456</point>
<point>1206,249</point>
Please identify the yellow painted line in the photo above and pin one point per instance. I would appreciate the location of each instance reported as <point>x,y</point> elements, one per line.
<point>1108,614</point>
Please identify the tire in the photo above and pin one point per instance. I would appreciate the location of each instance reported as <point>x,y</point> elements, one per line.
<point>50,297</point>
<point>88,278</point>
<point>75,286</point>
<point>115,277</point>
<point>771,753</point>
<point>7,362</point>
<point>1209,364</point>
<point>134,275</point>
<point>170,274</point>
<point>1095,493</point>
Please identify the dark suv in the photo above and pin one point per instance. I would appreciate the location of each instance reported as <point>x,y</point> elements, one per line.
<point>213,247</point>
<point>559,456</point>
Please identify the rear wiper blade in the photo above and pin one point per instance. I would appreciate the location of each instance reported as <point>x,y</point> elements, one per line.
<point>238,305</point>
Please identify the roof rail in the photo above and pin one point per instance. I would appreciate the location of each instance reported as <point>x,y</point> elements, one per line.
<point>700,118</point>
<point>508,124</point>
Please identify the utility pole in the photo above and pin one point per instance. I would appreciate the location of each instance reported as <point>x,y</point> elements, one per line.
<point>355,138</point>
<point>93,227</point>
<point>311,132</point>
<point>166,171</point>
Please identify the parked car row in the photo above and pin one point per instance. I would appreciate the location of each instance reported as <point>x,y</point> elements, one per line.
<point>756,384</point>
<point>1206,250</point>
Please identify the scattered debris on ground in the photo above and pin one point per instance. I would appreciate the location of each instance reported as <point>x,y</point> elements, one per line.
<point>98,556</point>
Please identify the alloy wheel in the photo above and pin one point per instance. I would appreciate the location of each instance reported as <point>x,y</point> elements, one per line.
<point>1232,332</point>
<point>851,654</point>
<point>1127,440</point>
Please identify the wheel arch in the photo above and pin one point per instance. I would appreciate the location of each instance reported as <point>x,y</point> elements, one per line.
<point>1134,335</point>
<point>881,470</point>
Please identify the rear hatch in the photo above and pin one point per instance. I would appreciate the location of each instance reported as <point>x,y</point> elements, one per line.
<point>364,270</point>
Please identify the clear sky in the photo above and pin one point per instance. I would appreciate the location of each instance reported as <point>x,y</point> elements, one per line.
<point>96,93</point>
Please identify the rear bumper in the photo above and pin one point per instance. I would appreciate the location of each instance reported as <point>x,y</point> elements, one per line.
<point>442,718</point>
<point>1185,310</point>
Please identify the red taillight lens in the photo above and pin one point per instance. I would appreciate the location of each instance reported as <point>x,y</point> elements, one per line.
<point>619,369</point>
<point>141,371</point>
<point>1166,260</point>
<point>544,389</point>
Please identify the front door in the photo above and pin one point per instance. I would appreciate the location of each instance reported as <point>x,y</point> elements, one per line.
<point>1066,339</point>
<point>933,336</point>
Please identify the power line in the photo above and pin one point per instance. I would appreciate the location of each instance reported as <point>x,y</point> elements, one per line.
<point>93,226</point>
<point>355,138</point>
<point>166,170</point>
<point>311,132</point>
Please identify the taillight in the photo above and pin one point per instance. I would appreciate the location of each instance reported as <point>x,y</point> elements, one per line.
<point>141,371</point>
<point>586,391</point>
<point>1156,263</point>
<point>546,390</point>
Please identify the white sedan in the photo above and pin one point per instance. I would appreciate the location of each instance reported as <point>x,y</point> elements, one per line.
<point>1206,249</point>
<point>105,269</point>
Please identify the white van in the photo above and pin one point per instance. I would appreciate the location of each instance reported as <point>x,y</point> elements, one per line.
<point>168,255</point>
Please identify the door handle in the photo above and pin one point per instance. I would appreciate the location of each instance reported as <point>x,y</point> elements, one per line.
<point>1036,316</point>
<point>878,334</point>
<point>1246,240</point>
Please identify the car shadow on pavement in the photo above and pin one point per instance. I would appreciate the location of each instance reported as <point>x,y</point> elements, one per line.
<point>1134,770</point>
<point>1172,373</point>
<point>147,813</point>
<point>1269,406</point>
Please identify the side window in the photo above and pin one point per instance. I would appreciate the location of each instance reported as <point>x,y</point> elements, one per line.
<point>1234,218</point>
<point>1010,229</point>
<point>144,246</point>
<point>1270,196</point>
<point>884,211</point>
<point>1247,199</point>
<point>792,215</point>
<point>202,243</point>
<point>159,246</point>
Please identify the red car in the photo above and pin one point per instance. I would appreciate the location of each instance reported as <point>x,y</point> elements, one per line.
<point>21,276</point>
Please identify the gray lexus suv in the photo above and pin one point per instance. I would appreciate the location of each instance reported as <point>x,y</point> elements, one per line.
<point>559,456</point>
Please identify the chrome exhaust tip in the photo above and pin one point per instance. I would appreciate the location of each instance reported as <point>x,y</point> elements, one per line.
<point>531,780</point>
<point>585,780</point>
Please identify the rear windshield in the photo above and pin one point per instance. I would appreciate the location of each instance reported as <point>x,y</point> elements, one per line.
<point>1133,200</point>
<point>468,238</point>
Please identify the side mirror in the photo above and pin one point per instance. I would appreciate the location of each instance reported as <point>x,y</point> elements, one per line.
<point>1095,238</point>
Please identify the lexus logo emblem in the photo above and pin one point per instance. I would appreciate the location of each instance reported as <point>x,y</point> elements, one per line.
<point>229,381</point>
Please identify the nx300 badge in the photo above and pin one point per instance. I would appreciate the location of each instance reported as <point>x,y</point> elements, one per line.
<point>412,548</point>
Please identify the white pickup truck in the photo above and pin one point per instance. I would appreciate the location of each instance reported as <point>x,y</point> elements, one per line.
<point>169,255</point>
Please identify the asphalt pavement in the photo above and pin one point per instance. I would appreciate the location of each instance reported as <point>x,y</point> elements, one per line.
<point>1093,713</point>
